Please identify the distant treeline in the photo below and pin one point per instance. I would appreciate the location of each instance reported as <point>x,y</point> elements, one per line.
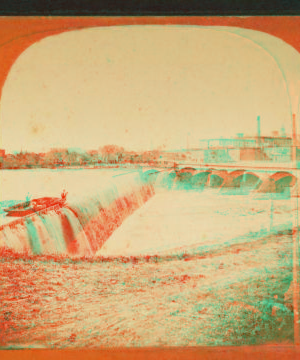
<point>56,158</point>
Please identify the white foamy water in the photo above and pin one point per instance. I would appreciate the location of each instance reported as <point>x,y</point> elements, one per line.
<point>175,220</point>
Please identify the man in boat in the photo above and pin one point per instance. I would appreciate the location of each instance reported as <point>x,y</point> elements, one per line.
<point>64,195</point>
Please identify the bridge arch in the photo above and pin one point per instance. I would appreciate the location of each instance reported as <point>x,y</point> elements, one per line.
<point>201,178</point>
<point>283,179</point>
<point>233,179</point>
<point>244,178</point>
<point>278,182</point>
<point>217,178</point>
<point>251,179</point>
<point>186,173</point>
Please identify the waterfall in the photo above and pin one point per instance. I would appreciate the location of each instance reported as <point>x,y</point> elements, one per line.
<point>15,238</point>
<point>53,226</point>
<point>74,235</point>
<point>82,227</point>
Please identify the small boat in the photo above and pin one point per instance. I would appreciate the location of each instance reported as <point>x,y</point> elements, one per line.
<point>35,206</point>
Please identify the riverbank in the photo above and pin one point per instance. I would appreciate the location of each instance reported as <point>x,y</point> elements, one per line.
<point>237,296</point>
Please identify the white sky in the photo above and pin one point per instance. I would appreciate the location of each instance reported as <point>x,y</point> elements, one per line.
<point>139,87</point>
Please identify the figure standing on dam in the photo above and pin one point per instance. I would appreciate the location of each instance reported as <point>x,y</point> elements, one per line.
<point>64,195</point>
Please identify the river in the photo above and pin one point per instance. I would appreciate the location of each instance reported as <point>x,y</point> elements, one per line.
<point>182,267</point>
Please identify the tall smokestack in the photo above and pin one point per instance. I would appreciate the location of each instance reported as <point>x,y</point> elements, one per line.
<point>258,130</point>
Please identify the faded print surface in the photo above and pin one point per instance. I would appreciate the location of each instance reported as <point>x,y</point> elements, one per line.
<point>150,189</point>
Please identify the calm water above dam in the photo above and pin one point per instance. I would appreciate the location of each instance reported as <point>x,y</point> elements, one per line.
<point>15,184</point>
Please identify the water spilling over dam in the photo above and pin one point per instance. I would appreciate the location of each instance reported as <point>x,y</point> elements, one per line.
<point>83,225</point>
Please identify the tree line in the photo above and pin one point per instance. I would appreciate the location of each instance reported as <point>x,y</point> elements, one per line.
<point>56,158</point>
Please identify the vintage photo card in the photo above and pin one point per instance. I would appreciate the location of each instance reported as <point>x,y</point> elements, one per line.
<point>149,184</point>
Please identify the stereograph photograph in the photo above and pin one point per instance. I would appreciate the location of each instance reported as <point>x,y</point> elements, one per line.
<point>149,182</point>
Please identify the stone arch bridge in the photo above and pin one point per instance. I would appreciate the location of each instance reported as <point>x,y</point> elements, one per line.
<point>261,179</point>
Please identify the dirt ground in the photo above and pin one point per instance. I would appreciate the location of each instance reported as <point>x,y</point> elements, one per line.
<point>236,295</point>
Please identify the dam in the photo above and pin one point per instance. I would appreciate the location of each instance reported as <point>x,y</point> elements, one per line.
<point>82,226</point>
<point>113,213</point>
